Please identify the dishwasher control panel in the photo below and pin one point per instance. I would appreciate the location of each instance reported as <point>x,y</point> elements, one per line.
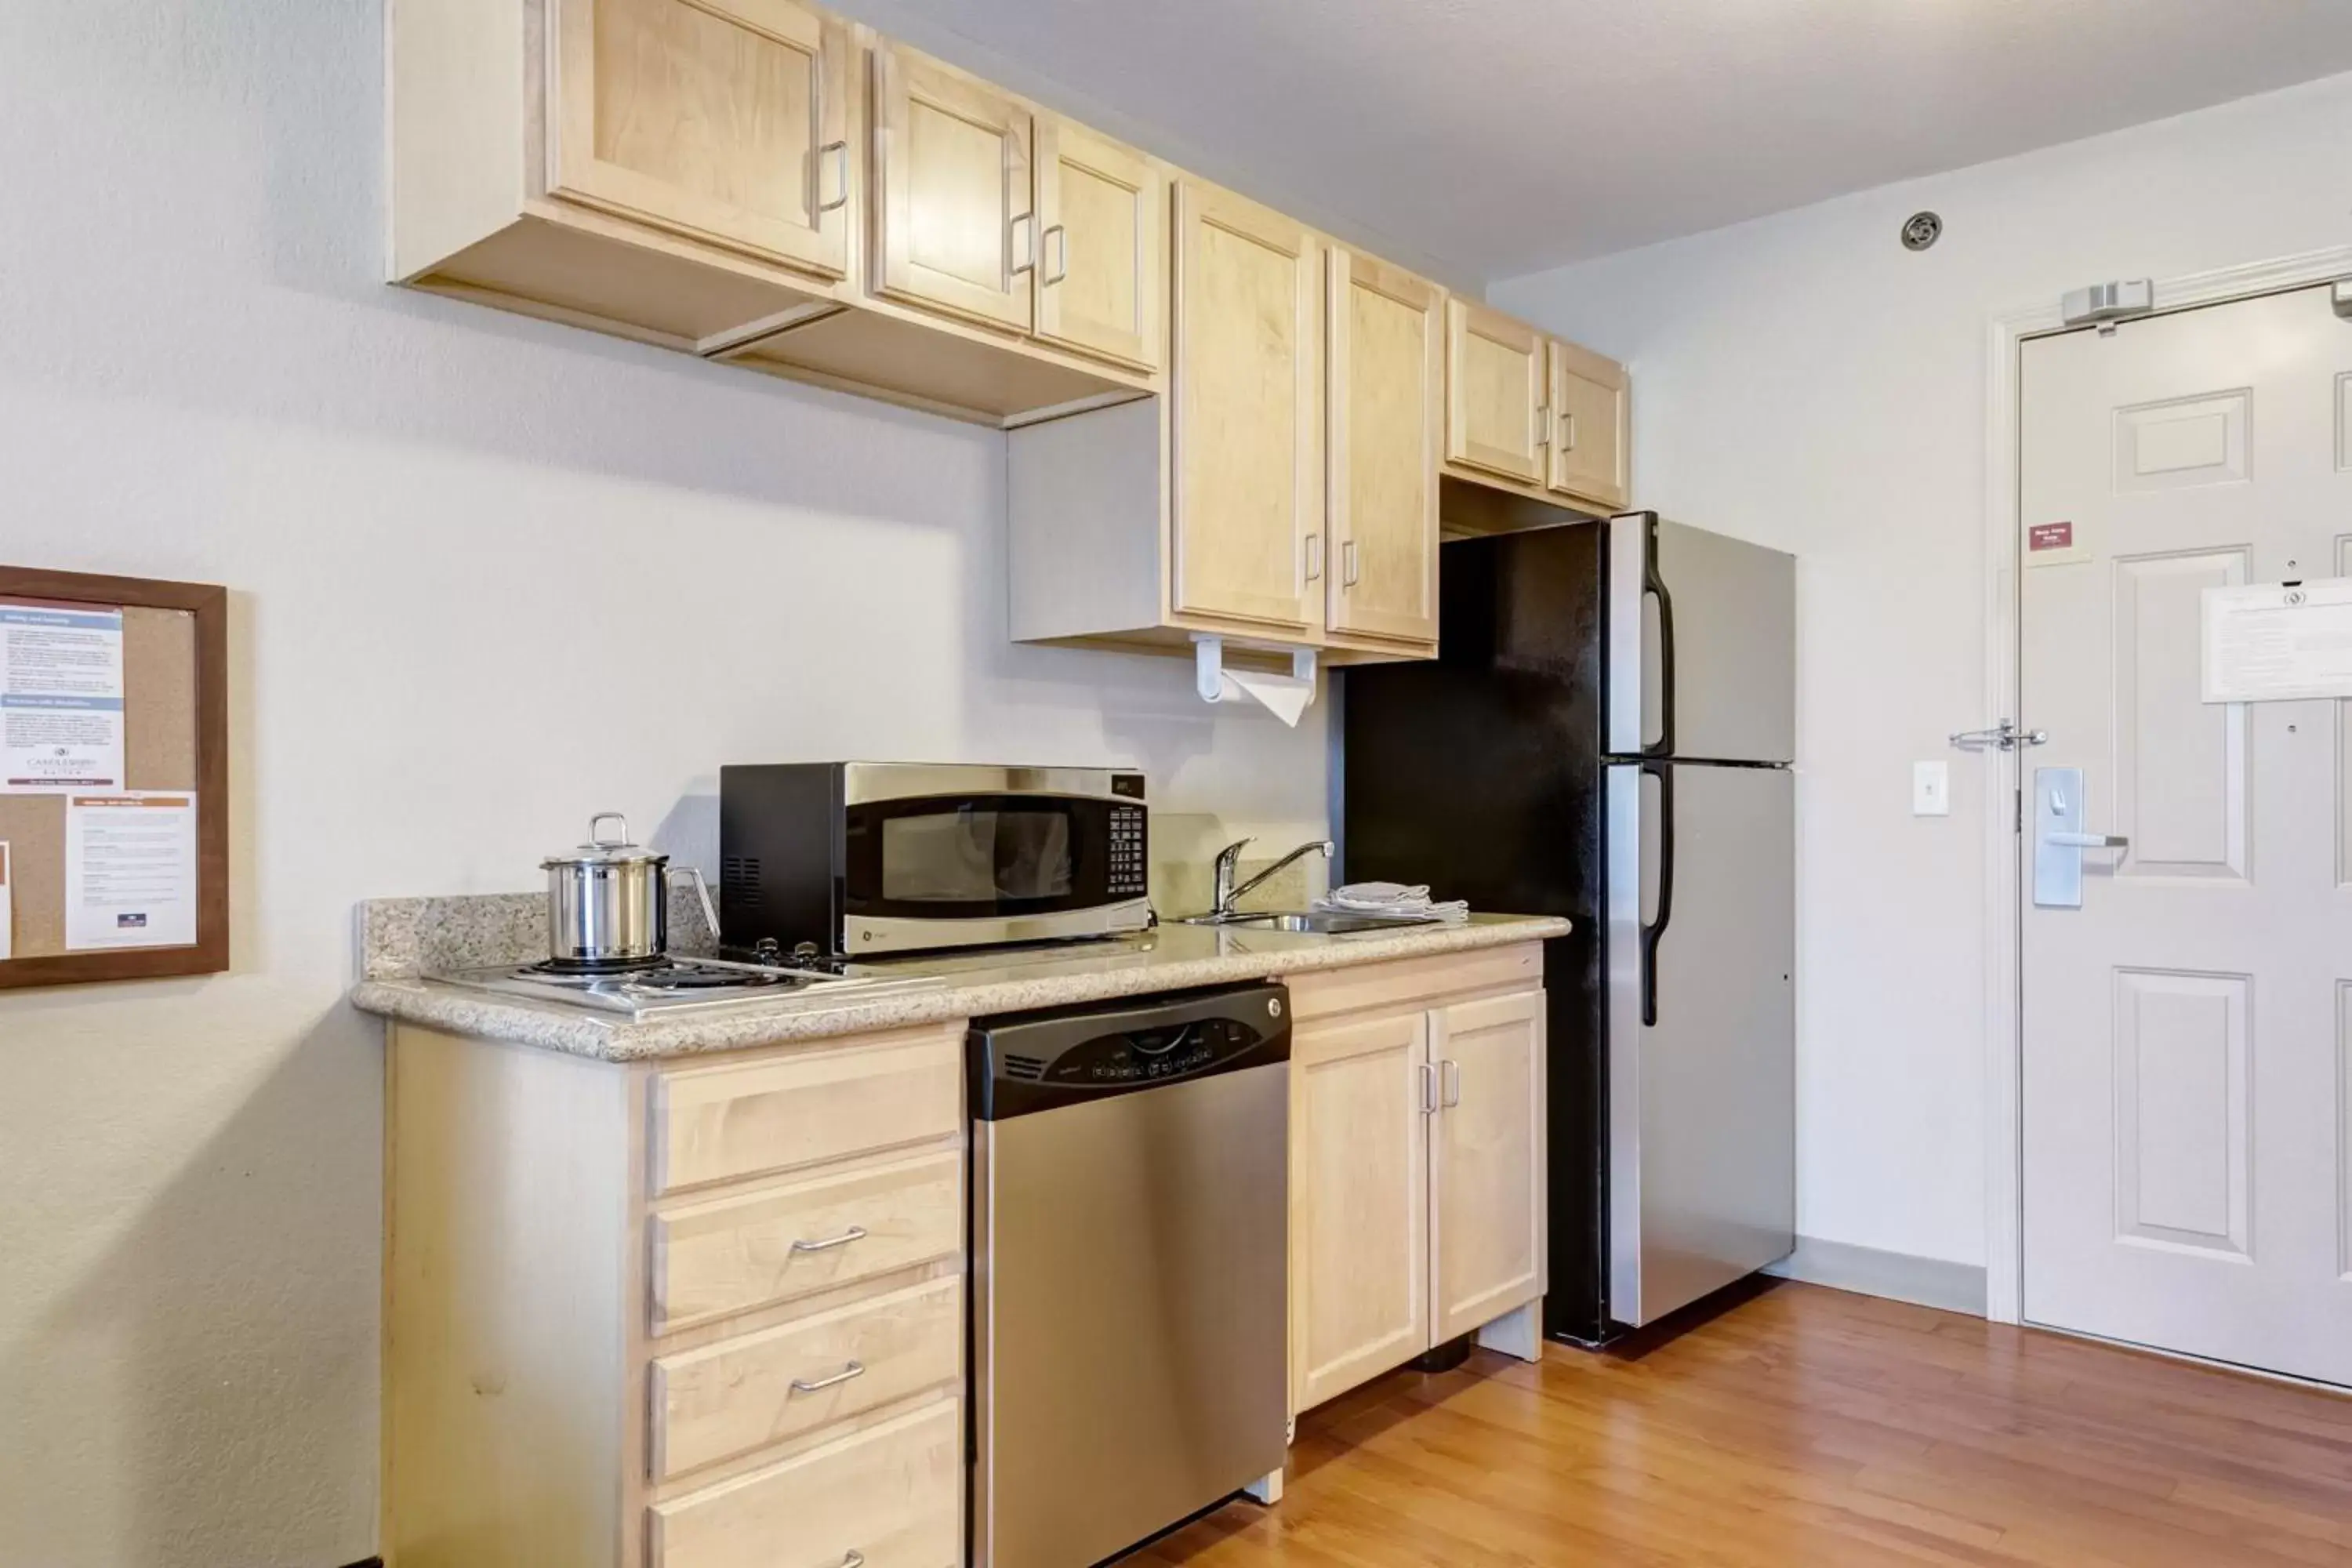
<point>1032,1062</point>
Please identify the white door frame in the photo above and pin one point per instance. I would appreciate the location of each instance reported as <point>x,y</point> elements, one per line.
<point>2004,1001</point>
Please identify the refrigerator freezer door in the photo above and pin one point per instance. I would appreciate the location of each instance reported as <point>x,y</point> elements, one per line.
<point>1701,645</point>
<point>1700,912</point>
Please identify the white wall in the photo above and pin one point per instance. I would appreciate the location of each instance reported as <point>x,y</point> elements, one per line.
<point>1804,380</point>
<point>489,576</point>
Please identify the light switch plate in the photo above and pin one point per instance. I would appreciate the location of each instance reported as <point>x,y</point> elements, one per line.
<point>1931,789</point>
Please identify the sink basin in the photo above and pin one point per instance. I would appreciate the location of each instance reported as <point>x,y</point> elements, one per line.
<point>1315,923</point>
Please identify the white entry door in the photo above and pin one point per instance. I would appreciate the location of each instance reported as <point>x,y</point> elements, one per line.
<point>2187,1029</point>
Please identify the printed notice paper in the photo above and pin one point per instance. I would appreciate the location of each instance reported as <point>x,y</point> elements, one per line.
<point>131,869</point>
<point>7,906</point>
<point>61,699</point>
<point>2279,642</point>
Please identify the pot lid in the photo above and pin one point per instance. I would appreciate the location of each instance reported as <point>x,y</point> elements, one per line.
<point>606,848</point>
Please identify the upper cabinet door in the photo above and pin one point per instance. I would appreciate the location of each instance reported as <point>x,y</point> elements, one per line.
<point>1496,374</point>
<point>1248,505</point>
<point>1387,396</point>
<point>1487,1166</point>
<point>958,227</point>
<point>1587,449</point>
<point>723,120</point>
<point>1102,268</point>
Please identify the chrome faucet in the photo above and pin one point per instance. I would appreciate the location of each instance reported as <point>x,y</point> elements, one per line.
<point>1229,861</point>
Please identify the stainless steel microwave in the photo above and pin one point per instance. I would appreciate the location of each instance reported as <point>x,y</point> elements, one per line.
<point>855,858</point>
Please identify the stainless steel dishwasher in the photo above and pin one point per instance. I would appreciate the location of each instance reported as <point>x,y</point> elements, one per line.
<point>1130,1198</point>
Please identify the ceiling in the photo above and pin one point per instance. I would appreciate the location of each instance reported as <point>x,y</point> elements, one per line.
<point>1493,137</point>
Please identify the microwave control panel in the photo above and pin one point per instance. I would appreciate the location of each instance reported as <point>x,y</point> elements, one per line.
<point>1129,869</point>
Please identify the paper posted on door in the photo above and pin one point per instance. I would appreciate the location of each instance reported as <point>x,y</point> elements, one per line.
<point>131,869</point>
<point>2279,642</point>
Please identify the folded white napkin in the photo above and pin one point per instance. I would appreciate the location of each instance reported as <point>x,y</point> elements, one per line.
<point>1390,898</point>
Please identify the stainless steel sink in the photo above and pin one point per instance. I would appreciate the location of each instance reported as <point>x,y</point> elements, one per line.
<point>1314,923</point>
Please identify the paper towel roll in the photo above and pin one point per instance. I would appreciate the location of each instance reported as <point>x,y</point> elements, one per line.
<point>1284,695</point>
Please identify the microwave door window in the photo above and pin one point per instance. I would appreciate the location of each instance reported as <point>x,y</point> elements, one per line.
<point>976,857</point>
<point>1032,855</point>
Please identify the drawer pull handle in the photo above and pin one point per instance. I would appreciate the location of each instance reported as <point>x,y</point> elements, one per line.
<point>854,1559</point>
<point>855,1233</point>
<point>804,1385</point>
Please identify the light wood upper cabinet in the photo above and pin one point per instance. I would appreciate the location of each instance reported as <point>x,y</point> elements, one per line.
<point>1588,447</point>
<point>1359,1202</point>
<point>957,229</point>
<point>723,120</point>
<point>1247,507</point>
<point>1497,388</point>
<point>1487,1161</point>
<point>1386,392</point>
<point>1102,268</point>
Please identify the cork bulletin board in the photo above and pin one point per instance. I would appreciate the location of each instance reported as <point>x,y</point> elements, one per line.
<point>114,778</point>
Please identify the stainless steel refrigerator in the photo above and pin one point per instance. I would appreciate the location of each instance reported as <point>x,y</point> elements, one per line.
<point>1608,735</point>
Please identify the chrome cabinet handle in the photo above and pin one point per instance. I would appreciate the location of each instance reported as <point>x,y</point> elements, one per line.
<point>1347,564</point>
<point>855,1233</point>
<point>1057,241</point>
<point>805,1385</point>
<point>1568,432</point>
<point>1314,556</point>
<point>1543,424</point>
<point>839,152</point>
<point>1025,243</point>
<point>1450,1076</point>
<point>1429,1088</point>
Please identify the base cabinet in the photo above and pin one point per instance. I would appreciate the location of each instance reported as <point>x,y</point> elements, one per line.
<point>1417,1178</point>
<point>1359,1202</point>
<point>1485,1168</point>
<point>698,1314</point>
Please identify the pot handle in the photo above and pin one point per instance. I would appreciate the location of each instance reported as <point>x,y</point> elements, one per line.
<point>702,891</point>
<point>598,839</point>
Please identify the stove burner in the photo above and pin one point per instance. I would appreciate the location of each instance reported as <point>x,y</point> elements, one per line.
<point>668,974</point>
<point>566,968</point>
<point>672,985</point>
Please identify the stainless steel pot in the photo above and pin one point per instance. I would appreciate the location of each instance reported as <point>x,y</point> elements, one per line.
<point>608,901</point>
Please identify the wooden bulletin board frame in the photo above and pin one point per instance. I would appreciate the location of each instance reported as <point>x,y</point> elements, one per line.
<point>208,705</point>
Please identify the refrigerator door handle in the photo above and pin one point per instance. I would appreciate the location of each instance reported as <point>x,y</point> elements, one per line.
<point>1655,585</point>
<point>1632,578</point>
<point>1652,930</point>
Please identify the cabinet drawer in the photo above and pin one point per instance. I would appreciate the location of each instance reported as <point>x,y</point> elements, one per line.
<point>730,1255</point>
<point>739,1395</point>
<point>716,1124</point>
<point>893,1493</point>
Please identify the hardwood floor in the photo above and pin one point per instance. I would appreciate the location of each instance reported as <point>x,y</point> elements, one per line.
<point>1807,1426</point>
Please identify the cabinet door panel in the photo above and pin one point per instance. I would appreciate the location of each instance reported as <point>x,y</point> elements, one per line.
<point>1387,393</point>
<point>724,119</point>
<point>1359,1202</point>
<point>957,228</point>
<point>1588,450</point>
<point>1248,502</point>
<point>1496,371</point>
<point>1487,1161</point>
<point>1102,275</point>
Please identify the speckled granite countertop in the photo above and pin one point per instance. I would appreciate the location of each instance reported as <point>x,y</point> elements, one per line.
<point>1172,958</point>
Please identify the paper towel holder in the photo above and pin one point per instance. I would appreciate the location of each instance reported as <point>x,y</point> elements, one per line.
<point>1208,664</point>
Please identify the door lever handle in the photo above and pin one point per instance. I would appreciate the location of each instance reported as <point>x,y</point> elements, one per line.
<point>2087,841</point>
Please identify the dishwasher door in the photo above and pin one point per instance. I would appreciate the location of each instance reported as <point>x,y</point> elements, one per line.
<point>1130,1199</point>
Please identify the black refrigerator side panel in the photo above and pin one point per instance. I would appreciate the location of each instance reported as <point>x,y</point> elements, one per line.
<point>1478,773</point>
